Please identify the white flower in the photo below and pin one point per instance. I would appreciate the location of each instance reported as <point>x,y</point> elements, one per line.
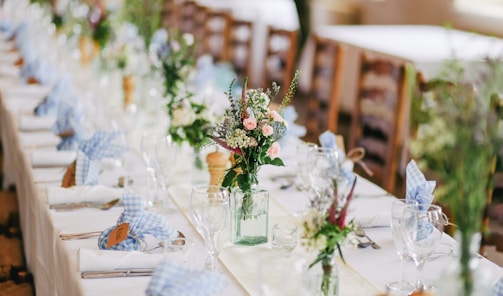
<point>183,116</point>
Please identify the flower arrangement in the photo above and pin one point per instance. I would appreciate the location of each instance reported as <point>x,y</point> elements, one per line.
<point>145,15</point>
<point>189,120</point>
<point>324,232</point>
<point>100,25</point>
<point>251,131</point>
<point>458,141</point>
<point>176,61</point>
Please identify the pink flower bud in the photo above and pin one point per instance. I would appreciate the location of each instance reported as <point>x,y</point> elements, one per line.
<point>267,130</point>
<point>250,123</point>
<point>274,151</point>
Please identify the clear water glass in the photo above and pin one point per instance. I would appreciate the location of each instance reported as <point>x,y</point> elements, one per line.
<point>400,286</point>
<point>302,169</point>
<point>284,238</point>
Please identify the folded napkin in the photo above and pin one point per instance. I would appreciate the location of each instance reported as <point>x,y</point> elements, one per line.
<point>417,188</point>
<point>173,279</point>
<point>69,124</point>
<point>76,194</point>
<point>141,223</point>
<point>60,91</point>
<point>101,145</point>
<point>52,158</point>
<point>38,139</point>
<point>33,123</point>
<point>420,190</point>
<point>328,140</point>
<point>106,260</point>
<point>498,288</point>
<point>294,130</point>
<point>39,69</point>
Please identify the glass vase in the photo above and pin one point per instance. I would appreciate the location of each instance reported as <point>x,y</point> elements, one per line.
<point>249,216</point>
<point>323,278</point>
<point>477,280</point>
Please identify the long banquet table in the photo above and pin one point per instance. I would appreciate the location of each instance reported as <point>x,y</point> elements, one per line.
<point>54,261</point>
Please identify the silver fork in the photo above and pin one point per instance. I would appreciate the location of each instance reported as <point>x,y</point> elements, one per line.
<point>360,232</point>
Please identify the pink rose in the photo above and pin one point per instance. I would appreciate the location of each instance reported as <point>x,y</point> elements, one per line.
<point>274,150</point>
<point>267,130</point>
<point>252,142</point>
<point>250,123</point>
<point>275,116</point>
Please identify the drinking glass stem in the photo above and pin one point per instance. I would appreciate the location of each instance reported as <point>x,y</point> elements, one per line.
<point>402,270</point>
<point>212,254</point>
<point>419,274</point>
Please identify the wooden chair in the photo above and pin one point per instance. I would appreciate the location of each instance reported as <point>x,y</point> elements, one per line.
<point>185,16</point>
<point>216,32</point>
<point>198,27</point>
<point>378,117</point>
<point>281,47</point>
<point>323,106</point>
<point>239,50</point>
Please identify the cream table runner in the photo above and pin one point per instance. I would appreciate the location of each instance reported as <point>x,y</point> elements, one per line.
<point>242,261</point>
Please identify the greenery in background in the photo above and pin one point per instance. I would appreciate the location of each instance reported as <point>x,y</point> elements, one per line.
<point>458,141</point>
<point>145,14</point>
<point>101,28</point>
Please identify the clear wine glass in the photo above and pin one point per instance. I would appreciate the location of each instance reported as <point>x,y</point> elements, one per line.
<point>301,169</point>
<point>147,147</point>
<point>397,206</point>
<point>166,154</point>
<point>209,207</point>
<point>422,229</point>
<point>324,169</point>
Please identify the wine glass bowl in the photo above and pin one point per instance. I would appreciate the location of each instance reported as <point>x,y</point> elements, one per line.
<point>422,229</point>
<point>209,207</point>
<point>397,207</point>
<point>324,169</point>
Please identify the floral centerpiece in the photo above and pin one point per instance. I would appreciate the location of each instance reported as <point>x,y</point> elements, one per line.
<point>458,140</point>
<point>189,122</point>
<point>251,130</point>
<point>324,232</point>
<point>99,22</point>
<point>176,61</point>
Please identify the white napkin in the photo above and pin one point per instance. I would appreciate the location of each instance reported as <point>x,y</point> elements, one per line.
<point>45,175</point>
<point>52,158</point>
<point>11,71</point>
<point>23,91</point>
<point>75,194</point>
<point>105,260</point>
<point>33,123</point>
<point>38,139</point>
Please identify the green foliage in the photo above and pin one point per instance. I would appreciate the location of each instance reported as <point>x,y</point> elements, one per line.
<point>145,14</point>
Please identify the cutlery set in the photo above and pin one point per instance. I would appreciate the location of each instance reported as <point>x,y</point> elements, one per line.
<point>82,205</point>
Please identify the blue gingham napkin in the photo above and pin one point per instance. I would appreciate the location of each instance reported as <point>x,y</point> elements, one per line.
<point>70,118</point>
<point>38,68</point>
<point>328,140</point>
<point>60,90</point>
<point>498,288</point>
<point>420,190</point>
<point>417,188</point>
<point>174,279</point>
<point>101,145</point>
<point>294,130</point>
<point>141,223</point>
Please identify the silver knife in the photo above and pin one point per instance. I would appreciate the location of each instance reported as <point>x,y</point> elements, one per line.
<point>81,235</point>
<point>116,273</point>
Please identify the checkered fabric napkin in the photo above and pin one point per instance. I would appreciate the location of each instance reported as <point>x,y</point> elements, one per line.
<point>38,68</point>
<point>102,144</point>
<point>417,188</point>
<point>420,190</point>
<point>141,223</point>
<point>60,90</point>
<point>70,118</point>
<point>328,140</point>
<point>174,279</point>
<point>498,288</point>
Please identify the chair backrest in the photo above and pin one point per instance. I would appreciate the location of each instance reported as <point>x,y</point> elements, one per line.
<point>185,16</point>
<point>324,96</point>
<point>281,48</point>
<point>239,48</point>
<point>199,27</point>
<point>378,116</point>
<point>214,39</point>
